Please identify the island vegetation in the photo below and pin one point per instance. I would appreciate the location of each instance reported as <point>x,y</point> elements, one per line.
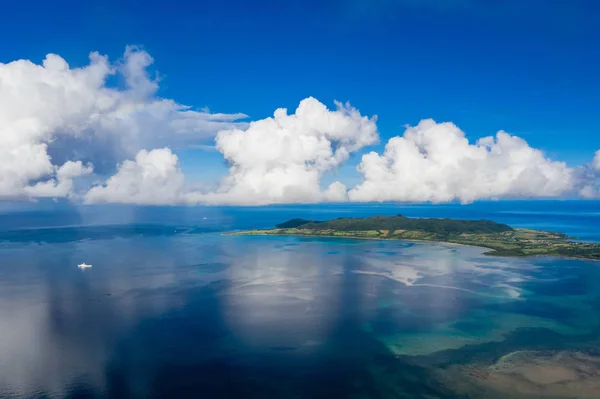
<point>502,239</point>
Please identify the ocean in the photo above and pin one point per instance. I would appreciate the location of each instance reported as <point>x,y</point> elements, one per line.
<point>172,308</point>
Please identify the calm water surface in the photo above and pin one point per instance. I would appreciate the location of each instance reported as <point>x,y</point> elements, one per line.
<point>173,309</point>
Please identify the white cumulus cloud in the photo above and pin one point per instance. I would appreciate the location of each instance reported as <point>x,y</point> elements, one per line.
<point>435,162</point>
<point>62,127</point>
<point>59,122</point>
<point>61,184</point>
<point>281,159</point>
<point>153,178</point>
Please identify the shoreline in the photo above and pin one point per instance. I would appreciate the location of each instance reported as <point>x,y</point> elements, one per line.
<point>488,250</point>
<point>415,240</point>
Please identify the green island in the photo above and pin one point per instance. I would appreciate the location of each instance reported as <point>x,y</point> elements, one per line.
<point>502,239</point>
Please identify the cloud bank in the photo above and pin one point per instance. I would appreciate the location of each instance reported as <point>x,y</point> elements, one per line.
<point>58,123</point>
<point>154,178</point>
<point>435,162</point>
<point>72,132</point>
<point>282,158</point>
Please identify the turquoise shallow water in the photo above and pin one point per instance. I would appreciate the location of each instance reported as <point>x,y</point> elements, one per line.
<point>179,310</point>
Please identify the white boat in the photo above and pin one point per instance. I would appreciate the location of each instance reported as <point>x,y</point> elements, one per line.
<point>84,266</point>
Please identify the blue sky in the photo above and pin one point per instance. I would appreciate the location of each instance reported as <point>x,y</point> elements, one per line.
<point>527,67</point>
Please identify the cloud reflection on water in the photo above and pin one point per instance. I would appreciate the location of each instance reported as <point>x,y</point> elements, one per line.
<point>200,302</point>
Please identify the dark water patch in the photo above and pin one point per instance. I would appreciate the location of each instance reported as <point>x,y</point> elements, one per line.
<point>390,321</point>
<point>567,285</point>
<point>533,308</point>
<point>82,392</point>
<point>345,367</point>
<point>191,351</point>
<point>283,348</point>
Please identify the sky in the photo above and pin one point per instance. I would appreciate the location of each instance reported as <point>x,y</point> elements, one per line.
<point>177,103</point>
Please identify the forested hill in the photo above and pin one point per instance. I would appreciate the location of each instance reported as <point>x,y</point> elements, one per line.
<point>399,223</point>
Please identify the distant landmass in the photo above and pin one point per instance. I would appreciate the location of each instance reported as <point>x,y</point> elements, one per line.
<point>501,238</point>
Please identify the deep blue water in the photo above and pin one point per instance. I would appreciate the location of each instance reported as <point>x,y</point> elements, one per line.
<point>577,218</point>
<point>173,309</point>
